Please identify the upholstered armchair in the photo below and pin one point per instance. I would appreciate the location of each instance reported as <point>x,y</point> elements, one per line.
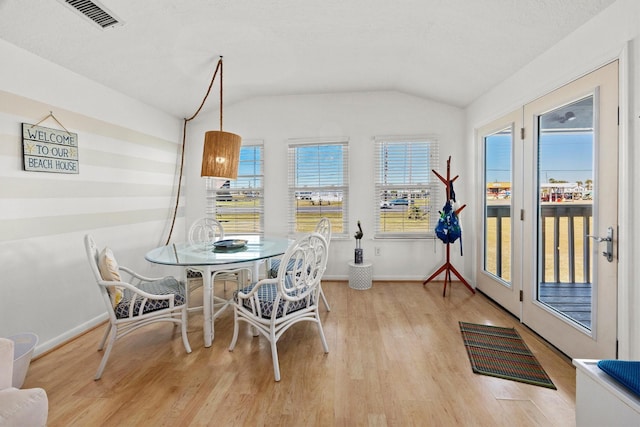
<point>19,407</point>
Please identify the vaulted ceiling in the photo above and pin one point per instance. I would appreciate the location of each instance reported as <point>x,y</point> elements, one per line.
<point>164,52</point>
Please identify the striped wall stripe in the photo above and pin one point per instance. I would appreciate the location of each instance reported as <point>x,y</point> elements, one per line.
<point>20,106</point>
<point>25,228</point>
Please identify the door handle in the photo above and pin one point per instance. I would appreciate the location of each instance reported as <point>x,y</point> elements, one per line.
<point>609,239</point>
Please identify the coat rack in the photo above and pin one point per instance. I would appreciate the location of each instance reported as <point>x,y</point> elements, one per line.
<point>447,267</point>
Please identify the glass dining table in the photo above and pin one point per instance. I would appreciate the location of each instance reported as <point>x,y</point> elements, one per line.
<point>208,260</point>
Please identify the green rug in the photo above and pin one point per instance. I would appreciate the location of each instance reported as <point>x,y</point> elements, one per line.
<point>501,352</point>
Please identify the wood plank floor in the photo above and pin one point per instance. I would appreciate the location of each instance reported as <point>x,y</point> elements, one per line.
<point>396,359</point>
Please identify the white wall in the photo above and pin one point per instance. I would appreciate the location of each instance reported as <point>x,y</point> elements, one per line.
<point>359,117</point>
<point>122,195</point>
<point>613,34</point>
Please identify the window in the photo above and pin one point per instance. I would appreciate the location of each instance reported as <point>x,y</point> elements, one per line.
<point>318,185</point>
<point>239,204</point>
<point>406,189</point>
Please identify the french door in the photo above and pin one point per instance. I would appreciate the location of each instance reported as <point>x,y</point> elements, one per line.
<point>500,267</point>
<point>549,247</point>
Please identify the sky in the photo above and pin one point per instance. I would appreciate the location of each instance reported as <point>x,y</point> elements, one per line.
<point>562,156</point>
<point>317,165</point>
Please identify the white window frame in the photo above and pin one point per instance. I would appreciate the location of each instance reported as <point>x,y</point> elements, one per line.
<point>240,187</point>
<point>317,189</point>
<point>424,183</point>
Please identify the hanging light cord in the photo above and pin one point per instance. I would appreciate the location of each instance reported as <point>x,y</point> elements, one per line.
<point>184,139</point>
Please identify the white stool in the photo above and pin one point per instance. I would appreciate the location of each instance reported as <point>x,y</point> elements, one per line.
<point>360,275</point>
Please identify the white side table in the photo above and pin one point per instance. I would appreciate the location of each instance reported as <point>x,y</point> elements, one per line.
<point>360,275</point>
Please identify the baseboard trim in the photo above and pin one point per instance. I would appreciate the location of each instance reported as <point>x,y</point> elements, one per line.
<point>70,335</point>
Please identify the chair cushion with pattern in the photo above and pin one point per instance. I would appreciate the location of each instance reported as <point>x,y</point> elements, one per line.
<point>165,286</point>
<point>275,265</point>
<point>267,295</point>
<point>193,274</point>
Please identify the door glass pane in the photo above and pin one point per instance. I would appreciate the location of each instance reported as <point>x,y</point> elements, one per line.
<point>565,200</point>
<point>497,209</point>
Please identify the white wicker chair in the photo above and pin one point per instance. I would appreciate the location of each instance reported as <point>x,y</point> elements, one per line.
<point>323,227</point>
<point>205,232</point>
<point>273,305</point>
<point>131,306</point>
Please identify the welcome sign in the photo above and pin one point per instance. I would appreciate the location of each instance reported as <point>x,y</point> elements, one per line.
<point>49,150</point>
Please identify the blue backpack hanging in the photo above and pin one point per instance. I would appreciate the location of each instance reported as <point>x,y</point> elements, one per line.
<point>448,227</point>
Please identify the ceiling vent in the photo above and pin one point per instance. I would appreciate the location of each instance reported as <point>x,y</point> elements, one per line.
<point>94,11</point>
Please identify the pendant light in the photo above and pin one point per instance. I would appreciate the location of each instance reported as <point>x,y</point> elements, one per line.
<point>221,153</point>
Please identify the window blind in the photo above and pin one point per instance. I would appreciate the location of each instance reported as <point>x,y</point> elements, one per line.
<point>407,191</point>
<point>318,184</point>
<point>239,204</point>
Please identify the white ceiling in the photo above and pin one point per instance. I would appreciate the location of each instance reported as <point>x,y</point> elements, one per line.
<point>165,53</point>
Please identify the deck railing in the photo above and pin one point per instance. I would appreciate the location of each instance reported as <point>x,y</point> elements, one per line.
<point>564,242</point>
<point>578,245</point>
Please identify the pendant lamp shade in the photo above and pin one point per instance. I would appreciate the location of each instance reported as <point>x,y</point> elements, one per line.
<point>221,154</point>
